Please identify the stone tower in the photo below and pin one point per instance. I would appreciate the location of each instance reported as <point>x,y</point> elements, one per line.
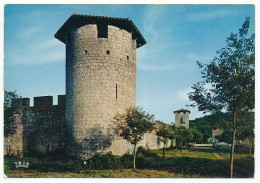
<point>100,79</point>
<point>182,118</point>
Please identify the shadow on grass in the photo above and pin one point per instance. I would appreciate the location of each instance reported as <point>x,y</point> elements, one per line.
<point>209,166</point>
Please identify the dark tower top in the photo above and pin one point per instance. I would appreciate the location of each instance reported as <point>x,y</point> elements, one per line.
<point>181,110</point>
<point>78,20</point>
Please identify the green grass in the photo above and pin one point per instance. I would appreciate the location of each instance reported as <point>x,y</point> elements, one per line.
<point>197,162</point>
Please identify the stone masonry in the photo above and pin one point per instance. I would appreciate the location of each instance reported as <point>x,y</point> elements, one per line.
<point>182,118</point>
<point>40,128</point>
<point>100,78</point>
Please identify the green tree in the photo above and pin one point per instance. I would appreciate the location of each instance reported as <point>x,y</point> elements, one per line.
<point>183,136</point>
<point>132,125</point>
<point>244,125</point>
<point>229,80</point>
<point>178,135</point>
<point>12,106</point>
<point>164,133</point>
<point>197,136</point>
<point>187,136</point>
<point>206,124</point>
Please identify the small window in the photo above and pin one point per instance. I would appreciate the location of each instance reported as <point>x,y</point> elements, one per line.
<point>108,52</point>
<point>86,52</point>
<point>181,121</point>
<point>102,30</point>
<point>127,57</point>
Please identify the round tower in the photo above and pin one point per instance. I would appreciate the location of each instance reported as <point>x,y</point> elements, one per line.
<point>100,80</point>
<point>182,118</point>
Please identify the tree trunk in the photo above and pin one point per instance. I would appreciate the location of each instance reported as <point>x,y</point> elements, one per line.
<point>233,145</point>
<point>250,148</point>
<point>238,146</point>
<point>134,156</point>
<point>163,151</point>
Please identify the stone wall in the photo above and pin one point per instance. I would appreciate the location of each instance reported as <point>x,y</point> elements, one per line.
<point>40,128</point>
<point>100,81</point>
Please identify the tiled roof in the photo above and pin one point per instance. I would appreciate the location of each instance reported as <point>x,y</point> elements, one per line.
<point>78,20</point>
<point>217,132</point>
<point>182,110</point>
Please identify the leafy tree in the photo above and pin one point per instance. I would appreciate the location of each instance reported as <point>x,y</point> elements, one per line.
<point>245,128</point>
<point>132,125</point>
<point>178,135</point>
<point>12,106</point>
<point>229,80</point>
<point>183,136</point>
<point>206,124</point>
<point>197,136</point>
<point>187,136</point>
<point>164,133</point>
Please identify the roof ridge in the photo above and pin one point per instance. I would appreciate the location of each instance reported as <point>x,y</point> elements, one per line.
<point>101,16</point>
<point>123,23</point>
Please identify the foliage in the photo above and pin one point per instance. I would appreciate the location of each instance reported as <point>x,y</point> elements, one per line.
<point>178,135</point>
<point>103,161</point>
<point>229,80</point>
<point>197,136</point>
<point>164,133</point>
<point>142,152</point>
<point>196,162</point>
<point>132,125</point>
<point>12,106</point>
<point>207,123</point>
<point>245,128</point>
<point>184,136</point>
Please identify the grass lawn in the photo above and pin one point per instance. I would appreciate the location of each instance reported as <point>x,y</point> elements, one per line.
<point>193,163</point>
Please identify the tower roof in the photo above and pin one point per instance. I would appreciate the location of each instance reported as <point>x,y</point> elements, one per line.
<point>182,110</point>
<point>78,20</point>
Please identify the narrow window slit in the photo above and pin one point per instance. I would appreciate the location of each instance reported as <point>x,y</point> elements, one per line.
<point>127,57</point>
<point>108,52</point>
<point>86,52</point>
<point>116,91</point>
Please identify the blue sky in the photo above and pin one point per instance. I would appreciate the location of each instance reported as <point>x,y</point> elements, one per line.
<point>177,36</point>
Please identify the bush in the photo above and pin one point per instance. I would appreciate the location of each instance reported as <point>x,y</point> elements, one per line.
<point>141,151</point>
<point>103,162</point>
<point>127,161</point>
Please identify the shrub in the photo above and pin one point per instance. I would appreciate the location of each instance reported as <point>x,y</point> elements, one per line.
<point>141,151</point>
<point>126,161</point>
<point>103,161</point>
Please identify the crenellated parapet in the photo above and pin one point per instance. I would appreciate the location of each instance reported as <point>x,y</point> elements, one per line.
<point>42,102</point>
<point>39,128</point>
